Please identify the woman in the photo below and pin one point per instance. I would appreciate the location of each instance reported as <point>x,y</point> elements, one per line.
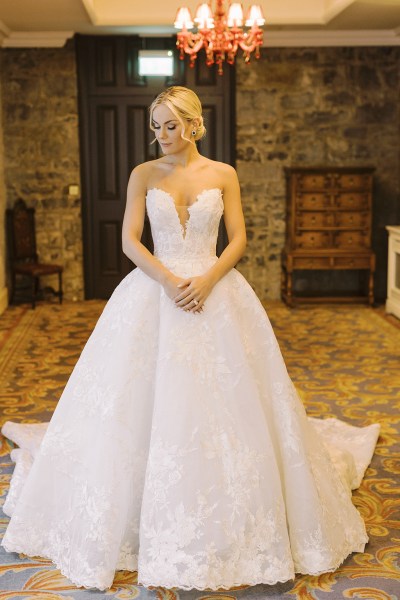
<point>179,447</point>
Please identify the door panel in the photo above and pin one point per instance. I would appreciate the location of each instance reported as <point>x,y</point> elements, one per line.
<point>110,237</point>
<point>106,138</point>
<point>115,137</point>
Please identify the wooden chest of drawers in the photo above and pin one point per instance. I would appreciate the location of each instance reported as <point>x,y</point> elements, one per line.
<point>328,226</point>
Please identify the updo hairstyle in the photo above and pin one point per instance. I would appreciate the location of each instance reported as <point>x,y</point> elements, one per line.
<point>185,105</point>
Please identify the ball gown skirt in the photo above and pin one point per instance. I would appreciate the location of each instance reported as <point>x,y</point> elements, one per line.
<point>179,447</point>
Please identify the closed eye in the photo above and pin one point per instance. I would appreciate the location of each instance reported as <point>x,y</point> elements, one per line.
<point>170,128</point>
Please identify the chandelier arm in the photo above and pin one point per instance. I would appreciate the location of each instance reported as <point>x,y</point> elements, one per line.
<point>197,46</point>
<point>247,47</point>
<point>190,43</point>
<point>253,40</point>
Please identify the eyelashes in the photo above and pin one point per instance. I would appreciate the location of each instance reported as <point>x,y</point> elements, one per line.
<point>171,128</point>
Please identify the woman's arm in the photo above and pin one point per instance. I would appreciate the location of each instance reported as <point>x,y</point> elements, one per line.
<point>200,287</point>
<point>132,229</point>
<point>235,228</point>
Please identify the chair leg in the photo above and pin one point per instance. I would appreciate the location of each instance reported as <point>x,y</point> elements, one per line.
<point>34,286</point>
<point>13,286</point>
<point>60,289</point>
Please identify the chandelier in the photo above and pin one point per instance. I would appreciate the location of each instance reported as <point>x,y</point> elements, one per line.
<point>220,34</point>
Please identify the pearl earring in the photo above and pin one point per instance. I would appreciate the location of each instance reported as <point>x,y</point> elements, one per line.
<point>194,132</point>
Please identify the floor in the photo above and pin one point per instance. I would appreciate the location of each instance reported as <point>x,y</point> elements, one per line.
<point>345,362</point>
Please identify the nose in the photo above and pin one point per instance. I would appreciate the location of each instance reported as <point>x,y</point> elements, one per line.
<point>163,133</point>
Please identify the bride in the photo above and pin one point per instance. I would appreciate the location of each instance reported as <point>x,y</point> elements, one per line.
<point>179,448</point>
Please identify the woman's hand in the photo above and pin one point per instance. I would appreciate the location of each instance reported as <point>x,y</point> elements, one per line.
<point>195,291</point>
<point>171,285</point>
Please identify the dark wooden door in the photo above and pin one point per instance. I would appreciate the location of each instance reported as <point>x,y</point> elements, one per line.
<point>115,137</point>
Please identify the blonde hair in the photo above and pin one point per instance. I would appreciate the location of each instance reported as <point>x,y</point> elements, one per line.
<point>185,105</point>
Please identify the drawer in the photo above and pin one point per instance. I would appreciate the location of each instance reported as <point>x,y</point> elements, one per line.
<point>311,263</point>
<point>315,219</point>
<point>312,201</point>
<point>313,181</point>
<point>354,181</point>
<point>312,239</point>
<point>352,219</point>
<point>356,262</point>
<point>351,239</point>
<point>352,201</point>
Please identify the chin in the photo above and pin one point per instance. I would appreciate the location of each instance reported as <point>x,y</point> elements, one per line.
<point>167,149</point>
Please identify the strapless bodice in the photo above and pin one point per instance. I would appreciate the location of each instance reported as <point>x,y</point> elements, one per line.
<point>196,239</point>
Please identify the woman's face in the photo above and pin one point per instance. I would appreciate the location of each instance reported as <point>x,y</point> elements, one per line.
<point>168,130</point>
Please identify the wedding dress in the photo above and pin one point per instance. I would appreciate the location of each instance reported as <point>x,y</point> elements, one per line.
<point>179,447</point>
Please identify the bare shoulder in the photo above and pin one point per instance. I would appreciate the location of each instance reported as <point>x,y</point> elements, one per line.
<point>142,172</point>
<point>225,173</point>
<point>221,167</point>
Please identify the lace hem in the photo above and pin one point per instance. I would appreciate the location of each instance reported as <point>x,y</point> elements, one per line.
<point>264,581</point>
<point>170,584</point>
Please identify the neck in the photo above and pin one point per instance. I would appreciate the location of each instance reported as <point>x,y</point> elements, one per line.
<point>185,157</point>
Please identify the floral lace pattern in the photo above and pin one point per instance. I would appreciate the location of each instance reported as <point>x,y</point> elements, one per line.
<point>179,447</point>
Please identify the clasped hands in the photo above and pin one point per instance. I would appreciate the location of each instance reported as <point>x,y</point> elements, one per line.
<point>184,292</point>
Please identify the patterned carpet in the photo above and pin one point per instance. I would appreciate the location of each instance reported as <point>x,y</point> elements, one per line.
<point>345,361</point>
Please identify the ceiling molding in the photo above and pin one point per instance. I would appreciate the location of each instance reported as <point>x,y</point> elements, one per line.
<point>334,8</point>
<point>272,39</point>
<point>4,32</point>
<point>4,29</point>
<point>35,39</point>
<point>285,39</point>
<point>91,11</point>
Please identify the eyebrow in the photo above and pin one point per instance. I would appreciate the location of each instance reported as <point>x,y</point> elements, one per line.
<point>166,122</point>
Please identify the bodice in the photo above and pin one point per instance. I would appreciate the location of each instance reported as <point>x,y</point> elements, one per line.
<point>194,240</point>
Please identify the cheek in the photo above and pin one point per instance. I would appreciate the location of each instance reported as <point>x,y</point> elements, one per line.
<point>185,134</point>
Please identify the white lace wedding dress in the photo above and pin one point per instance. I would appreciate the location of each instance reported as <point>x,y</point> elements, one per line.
<point>179,447</point>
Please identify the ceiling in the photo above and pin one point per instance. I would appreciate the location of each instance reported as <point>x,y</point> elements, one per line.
<point>288,22</point>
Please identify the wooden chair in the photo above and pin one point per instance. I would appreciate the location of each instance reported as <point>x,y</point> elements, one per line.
<point>22,251</point>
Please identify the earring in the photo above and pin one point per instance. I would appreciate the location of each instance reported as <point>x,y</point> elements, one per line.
<point>194,132</point>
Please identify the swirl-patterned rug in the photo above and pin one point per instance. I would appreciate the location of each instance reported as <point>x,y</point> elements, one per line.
<point>345,361</point>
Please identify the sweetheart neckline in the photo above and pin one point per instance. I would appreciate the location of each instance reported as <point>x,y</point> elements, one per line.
<point>183,226</point>
<point>153,189</point>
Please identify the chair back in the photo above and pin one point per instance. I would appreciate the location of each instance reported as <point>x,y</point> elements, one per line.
<point>21,232</point>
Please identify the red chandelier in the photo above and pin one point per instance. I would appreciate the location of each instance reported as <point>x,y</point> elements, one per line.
<point>220,34</point>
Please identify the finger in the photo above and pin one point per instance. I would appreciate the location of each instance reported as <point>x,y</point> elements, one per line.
<point>182,296</point>
<point>183,283</point>
<point>185,300</point>
<point>196,307</point>
<point>191,306</point>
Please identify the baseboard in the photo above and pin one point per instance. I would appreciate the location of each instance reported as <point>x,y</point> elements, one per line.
<point>393,307</point>
<point>3,299</point>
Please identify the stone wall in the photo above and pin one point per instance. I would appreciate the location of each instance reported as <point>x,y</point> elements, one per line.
<point>320,106</point>
<point>336,106</point>
<point>40,122</point>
